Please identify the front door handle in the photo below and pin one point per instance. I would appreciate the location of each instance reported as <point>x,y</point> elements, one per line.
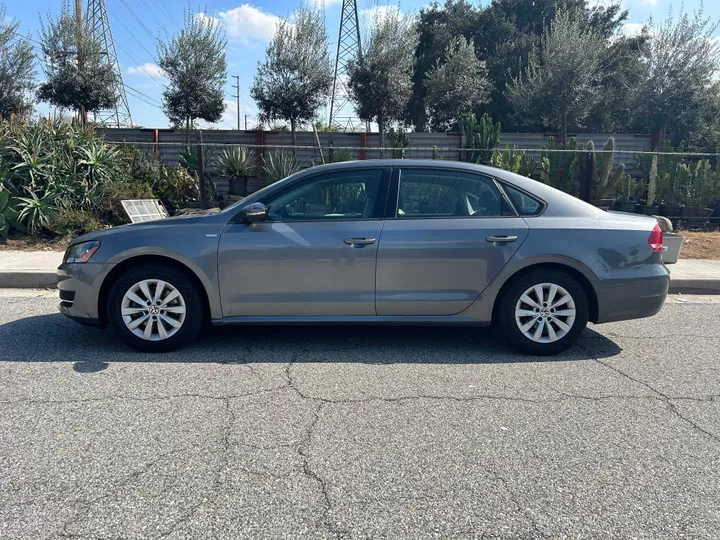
<point>501,239</point>
<point>359,241</point>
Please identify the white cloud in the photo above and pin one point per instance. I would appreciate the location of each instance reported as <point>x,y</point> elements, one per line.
<point>651,3</point>
<point>148,69</point>
<point>632,29</point>
<point>249,23</point>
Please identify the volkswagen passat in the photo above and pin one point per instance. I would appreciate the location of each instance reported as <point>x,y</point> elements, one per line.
<point>379,242</point>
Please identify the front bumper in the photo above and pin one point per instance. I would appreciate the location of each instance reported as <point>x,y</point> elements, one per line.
<point>79,286</point>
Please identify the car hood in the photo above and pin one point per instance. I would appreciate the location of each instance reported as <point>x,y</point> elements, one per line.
<point>155,224</point>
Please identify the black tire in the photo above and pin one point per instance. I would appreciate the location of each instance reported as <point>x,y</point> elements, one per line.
<point>505,312</point>
<point>195,314</point>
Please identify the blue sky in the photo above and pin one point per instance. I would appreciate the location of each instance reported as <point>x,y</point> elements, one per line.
<point>136,24</point>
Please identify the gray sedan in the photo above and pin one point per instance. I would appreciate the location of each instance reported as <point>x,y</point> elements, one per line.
<point>374,242</point>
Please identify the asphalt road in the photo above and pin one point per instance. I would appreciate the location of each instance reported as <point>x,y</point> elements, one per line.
<point>359,432</point>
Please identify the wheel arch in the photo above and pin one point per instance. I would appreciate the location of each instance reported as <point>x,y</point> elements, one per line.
<point>128,263</point>
<point>579,276</point>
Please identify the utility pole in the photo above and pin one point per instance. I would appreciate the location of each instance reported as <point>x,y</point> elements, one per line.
<point>246,122</point>
<point>79,21</point>
<point>237,97</point>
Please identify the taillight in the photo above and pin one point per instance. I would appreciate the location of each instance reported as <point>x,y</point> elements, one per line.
<point>655,240</point>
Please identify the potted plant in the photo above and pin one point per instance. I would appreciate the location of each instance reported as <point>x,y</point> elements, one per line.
<point>626,188</point>
<point>696,188</point>
<point>650,208</point>
<point>237,164</point>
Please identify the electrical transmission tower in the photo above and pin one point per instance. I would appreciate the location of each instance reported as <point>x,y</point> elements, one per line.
<point>342,112</point>
<point>98,26</point>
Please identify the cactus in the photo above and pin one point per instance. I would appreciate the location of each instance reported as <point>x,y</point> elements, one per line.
<point>512,160</point>
<point>399,140</point>
<point>436,154</point>
<point>480,138</point>
<point>652,181</point>
<point>604,178</point>
<point>561,169</point>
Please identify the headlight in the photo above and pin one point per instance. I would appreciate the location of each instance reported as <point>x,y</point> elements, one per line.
<point>81,253</point>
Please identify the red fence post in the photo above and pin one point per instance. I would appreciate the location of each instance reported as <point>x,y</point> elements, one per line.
<point>363,145</point>
<point>157,142</point>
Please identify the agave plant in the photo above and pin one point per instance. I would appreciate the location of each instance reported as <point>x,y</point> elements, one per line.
<point>8,215</point>
<point>278,165</point>
<point>35,212</point>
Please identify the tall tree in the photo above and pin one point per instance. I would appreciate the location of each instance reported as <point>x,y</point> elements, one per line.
<point>456,86</point>
<point>295,79</point>
<point>560,83</point>
<point>682,61</point>
<point>380,83</point>
<point>17,71</point>
<point>77,73</point>
<point>194,63</point>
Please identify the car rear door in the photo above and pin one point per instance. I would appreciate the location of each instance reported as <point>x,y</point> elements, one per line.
<point>447,235</point>
<point>316,253</point>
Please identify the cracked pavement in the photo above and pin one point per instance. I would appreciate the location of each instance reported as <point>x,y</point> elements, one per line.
<point>346,432</point>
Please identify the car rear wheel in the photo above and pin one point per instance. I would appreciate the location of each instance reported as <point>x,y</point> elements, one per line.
<point>155,308</point>
<point>543,312</point>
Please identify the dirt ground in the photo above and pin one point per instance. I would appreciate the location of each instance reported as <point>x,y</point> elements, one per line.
<point>697,245</point>
<point>700,245</point>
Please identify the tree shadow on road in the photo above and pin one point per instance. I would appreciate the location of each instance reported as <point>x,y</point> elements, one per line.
<point>53,338</point>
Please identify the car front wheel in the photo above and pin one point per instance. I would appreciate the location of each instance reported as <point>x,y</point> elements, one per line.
<point>543,312</point>
<point>155,308</point>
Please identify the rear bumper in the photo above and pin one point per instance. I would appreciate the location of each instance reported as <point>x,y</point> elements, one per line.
<point>633,296</point>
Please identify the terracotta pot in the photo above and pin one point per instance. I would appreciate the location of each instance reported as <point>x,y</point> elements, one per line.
<point>625,206</point>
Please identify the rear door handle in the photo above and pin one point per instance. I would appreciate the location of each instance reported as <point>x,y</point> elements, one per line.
<point>501,239</point>
<point>359,241</point>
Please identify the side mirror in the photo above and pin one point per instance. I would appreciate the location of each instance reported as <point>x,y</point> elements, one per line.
<point>253,213</point>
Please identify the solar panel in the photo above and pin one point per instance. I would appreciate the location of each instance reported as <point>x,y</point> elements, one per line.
<point>140,210</point>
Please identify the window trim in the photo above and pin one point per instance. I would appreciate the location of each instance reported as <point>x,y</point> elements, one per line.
<point>543,205</point>
<point>394,195</point>
<point>379,203</point>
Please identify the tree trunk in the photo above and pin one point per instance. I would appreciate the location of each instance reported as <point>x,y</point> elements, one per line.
<point>292,133</point>
<point>187,132</point>
<point>381,127</point>
<point>563,129</point>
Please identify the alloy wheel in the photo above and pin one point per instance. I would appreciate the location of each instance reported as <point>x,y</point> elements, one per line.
<point>153,309</point>
<point>545,313</point>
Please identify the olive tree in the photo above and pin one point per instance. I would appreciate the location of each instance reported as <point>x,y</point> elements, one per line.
<point>561,81</point>
<point>295,79</point>
<point>194,63</point>
<point>456,86</point>
<point>681,62</point>
<point>77,73</point>
<point>380,82</point>
<point>17,71</point>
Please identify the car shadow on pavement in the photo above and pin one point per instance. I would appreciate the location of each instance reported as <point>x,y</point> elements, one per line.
<point>53,338</point>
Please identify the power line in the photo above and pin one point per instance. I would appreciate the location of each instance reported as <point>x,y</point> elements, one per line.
<point>138,20</point>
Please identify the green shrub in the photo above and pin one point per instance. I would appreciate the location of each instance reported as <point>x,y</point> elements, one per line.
<point>73,223</point>
<point>176,188</point>
<point>110,208</point>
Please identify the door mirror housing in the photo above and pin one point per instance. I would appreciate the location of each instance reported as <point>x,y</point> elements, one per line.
<point>253,213</point>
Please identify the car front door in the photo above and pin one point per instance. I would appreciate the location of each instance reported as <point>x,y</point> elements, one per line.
<point>316,253</point>
<point>450,234</point>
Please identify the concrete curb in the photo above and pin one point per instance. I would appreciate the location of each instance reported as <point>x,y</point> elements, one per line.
<point>28,279</point>
<point>41,279</point>
<point>694,285</point>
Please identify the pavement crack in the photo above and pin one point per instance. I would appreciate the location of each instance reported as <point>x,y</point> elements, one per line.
<point>668,400</point>
<point>304,453</point>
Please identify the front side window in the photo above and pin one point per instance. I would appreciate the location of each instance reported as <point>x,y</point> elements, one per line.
<point>333,196</point>
<point>428,193</point>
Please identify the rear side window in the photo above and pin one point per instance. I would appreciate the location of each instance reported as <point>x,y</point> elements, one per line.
<point>428,193</point>
<point>523,203</point>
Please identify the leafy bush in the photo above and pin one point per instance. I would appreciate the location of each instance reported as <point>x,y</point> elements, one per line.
<point>278,165</point>
<point>8,215</point>
<point>176,188</point>
<point>110,207</point>
<point>73,223</point>
<point>399,140</point>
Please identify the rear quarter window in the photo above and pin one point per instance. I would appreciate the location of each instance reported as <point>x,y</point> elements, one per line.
<point>523,203</point>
